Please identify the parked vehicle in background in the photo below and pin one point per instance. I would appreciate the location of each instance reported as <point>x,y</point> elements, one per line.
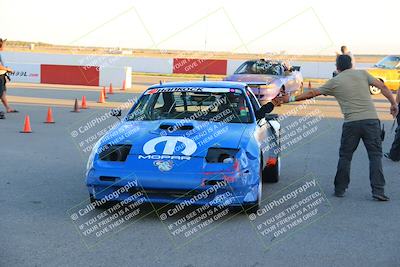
<point>388,71</point>
<point>268,78</point>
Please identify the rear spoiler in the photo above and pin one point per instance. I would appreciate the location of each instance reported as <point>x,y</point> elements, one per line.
<point>255,84</point>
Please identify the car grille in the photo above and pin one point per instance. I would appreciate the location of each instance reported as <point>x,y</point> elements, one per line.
<point>169,193</point>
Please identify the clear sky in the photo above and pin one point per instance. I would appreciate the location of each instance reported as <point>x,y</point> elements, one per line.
<point>294,26</point>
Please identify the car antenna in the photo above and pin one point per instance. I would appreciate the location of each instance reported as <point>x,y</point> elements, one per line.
<point>205,42</point>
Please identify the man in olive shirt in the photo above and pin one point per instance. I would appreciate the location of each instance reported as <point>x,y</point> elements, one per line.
<point>351,89</point>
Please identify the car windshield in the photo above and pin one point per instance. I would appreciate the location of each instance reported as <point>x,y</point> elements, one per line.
<point>260,67</point>
<point>190,103</point>
<point>390,62</point>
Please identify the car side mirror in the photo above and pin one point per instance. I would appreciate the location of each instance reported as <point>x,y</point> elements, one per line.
<point>265,109</point>
<point>295,68</point>
<point>116,112</point>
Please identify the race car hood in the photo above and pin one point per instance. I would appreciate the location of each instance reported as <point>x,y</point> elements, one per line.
<point>192,138</point>
<point>249,78</point>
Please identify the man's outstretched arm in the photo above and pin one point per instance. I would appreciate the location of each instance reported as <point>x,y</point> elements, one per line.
<point>5,68</point>
<point>286,98</point>
<point>325,89</point>
<point>388,94</point>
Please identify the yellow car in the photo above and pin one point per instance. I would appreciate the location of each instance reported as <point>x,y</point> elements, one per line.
<point>388,71</point>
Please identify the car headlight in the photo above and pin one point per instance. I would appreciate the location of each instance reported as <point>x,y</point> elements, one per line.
<point>114,152</point>
<point>221,155</point>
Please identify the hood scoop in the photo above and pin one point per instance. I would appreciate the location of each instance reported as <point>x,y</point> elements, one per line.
<point>171,127</point>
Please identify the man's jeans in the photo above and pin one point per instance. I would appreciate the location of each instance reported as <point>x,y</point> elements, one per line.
<point>370,132</point>
<point>395,150</point>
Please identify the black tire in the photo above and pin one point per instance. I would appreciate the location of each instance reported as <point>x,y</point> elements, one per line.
<point>374,91</point>
<point>251,208</point>
<point>271,174</point>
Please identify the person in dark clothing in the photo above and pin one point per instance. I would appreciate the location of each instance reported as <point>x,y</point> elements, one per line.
<point>351,89</point>
<point>394,153</point>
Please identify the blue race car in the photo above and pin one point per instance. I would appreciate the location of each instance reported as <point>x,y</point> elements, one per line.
<point>184,140</point>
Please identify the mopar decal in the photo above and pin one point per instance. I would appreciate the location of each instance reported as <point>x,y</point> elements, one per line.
<point>154,157</point>
<point>164,166</point>
<point>170,145</point>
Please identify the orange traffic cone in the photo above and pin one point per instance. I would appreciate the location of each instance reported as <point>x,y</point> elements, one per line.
<point>49,118</point>
<point>101,98</point>
<point>76,107</point>
<point>84,105</point>
<point>27,125</point>
<point>309,84</point>
<point>104,92</point>
<point>110,90</point>
<point>123,85</point>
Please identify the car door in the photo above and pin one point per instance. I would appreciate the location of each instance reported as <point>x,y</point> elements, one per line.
<point>391,79</point>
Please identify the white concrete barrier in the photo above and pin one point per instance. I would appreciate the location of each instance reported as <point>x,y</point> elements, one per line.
<point>152,65</point>
<point>233,64</point>
<point>116,76</point>
<point>138,64</point>
<point>63,68</point>
<point>322,70</point>
<point>24,73</point>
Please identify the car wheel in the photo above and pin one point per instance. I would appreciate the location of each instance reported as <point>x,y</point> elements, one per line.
<point>271,174</point>
<point>374,90</point>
